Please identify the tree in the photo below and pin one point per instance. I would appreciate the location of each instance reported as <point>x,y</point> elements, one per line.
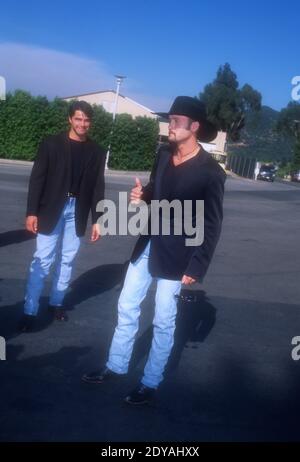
<point>289,124</point>
<point>251,98</point>
<point>226,104</point>
<point>288,117</point>
<point>296,158</point>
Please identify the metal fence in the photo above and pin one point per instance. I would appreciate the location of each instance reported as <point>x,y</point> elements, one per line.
<point>242,166</point>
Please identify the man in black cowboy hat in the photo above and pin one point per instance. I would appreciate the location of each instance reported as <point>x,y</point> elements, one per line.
<point>183,170</point>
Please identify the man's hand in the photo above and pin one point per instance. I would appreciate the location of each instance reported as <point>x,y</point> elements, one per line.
<point>96,233</point>
<point>136,192</point>
<point>31,224</point>
<point>187,280</point>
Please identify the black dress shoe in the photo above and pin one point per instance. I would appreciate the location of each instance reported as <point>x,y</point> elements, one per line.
<point>27,323</point>
<point>59,313</point>
<point>99,376</point>
<point>141,395</point>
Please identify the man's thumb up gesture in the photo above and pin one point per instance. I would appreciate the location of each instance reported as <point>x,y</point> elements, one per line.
<point>136,192</point>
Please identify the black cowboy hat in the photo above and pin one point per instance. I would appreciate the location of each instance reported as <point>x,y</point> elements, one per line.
<point>195,110</point>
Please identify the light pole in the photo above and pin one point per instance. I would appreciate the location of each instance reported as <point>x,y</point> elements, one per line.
<point>119,80</point>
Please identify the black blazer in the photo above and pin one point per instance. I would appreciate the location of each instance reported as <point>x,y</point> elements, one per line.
<point>169,257</point>
<point>51,178</point>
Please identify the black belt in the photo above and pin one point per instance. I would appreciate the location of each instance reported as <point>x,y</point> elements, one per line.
<point>70,194</point>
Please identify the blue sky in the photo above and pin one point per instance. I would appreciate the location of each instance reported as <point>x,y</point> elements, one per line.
<point>165,48</point>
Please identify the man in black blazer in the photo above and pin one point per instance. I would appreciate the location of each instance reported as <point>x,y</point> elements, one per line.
<point>66,183</point>
<point>183,171</point>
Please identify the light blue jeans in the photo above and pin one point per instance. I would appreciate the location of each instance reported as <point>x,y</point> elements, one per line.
<point>137,282</point>
<point>62,244</point>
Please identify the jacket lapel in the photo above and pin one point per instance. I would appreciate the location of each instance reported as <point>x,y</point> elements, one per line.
<point>203,157</point>
<point>67,158</point>
<point>163,162</point>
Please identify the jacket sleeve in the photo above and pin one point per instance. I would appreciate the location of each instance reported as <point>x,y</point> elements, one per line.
<point>98,194</point>
<point>37,180</point>
<point>213,216</point>
<point>148,189</point>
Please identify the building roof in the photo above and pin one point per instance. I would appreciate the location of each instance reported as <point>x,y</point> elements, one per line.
<point>91,93</point>
<point>109,91</point>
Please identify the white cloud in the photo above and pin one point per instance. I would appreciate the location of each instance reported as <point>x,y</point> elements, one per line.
<point>49,72</point>
<point>43,71</point>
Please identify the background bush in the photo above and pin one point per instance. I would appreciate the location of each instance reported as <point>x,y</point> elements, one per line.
<point>25,120</point>
<point>133,143</point>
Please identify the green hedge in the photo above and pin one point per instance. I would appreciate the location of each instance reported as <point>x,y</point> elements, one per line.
<point>25,120</point>
<point>133,143</point>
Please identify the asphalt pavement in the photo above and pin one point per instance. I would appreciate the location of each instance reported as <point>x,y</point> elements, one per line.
<point>231,375</point>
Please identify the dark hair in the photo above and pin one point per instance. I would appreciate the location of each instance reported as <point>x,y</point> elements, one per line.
<point>199,131</point>
<point>83,106</point>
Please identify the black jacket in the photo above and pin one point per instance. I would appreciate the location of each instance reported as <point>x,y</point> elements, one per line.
<point>169,257</point>
<point>51,178</point>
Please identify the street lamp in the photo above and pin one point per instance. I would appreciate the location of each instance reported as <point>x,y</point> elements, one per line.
<point>119,80</point>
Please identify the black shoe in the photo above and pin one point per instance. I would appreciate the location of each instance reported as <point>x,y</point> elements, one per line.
<point>59,313</point>
<point>99,376</point>
<point>141,395</point>
<point>27,323</point>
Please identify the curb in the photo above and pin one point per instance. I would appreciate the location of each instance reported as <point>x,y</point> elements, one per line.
<point>27,163</point>
<point>16,162</point>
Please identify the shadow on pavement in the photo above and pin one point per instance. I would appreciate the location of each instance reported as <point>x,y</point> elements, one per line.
<point>194,322</point>
<point>92,283</point>
<point>15,237</point>
<point>44,400</point>
<point>11,315</point>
